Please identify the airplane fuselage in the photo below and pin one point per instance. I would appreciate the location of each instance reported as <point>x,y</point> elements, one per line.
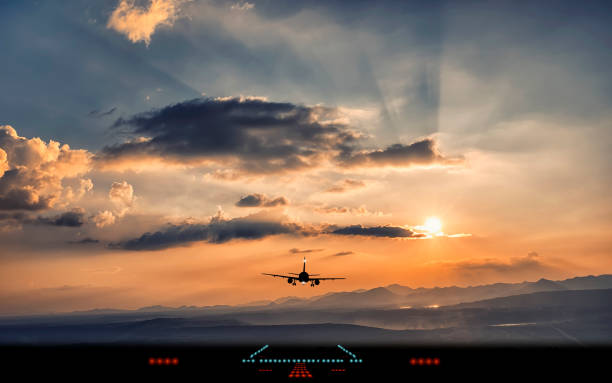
<point>303,277</point>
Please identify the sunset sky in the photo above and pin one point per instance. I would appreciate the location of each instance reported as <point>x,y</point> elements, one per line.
<point>167,152</point>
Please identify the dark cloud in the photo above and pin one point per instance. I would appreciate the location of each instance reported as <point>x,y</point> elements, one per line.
<point>99,113</point>
<point>254,136</point>
<point>298,251</point>
<point>84,241</point>
<point>23,198</point>
<point>218,230</point>
<point>376,231</point>
<point>73,218</point>
<point>343,253</point>
<point>422,152</point>
<point>255,200</point>
<point>262,136</point>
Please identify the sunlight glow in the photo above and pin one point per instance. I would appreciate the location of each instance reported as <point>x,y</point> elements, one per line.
<point>433,225</point>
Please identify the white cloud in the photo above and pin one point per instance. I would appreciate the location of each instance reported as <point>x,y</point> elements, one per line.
<point>121,195</point>
<point>242,6</point>
<point>103,218</point>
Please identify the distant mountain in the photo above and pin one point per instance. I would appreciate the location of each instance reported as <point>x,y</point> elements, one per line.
<point>378,297</point>
<point>564,317</point>
<point>570,299</point>
<point>391,297</point>
<point>394,296</point>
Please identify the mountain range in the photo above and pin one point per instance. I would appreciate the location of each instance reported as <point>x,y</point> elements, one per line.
<point>573,311</point>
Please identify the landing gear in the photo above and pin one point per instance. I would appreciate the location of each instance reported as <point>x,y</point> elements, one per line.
<point>311,284</point>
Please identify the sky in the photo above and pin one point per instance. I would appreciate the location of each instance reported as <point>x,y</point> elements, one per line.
<point>168,152</point>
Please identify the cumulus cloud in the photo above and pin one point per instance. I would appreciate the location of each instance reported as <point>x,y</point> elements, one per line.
<point>345,185</point>
<point>103,218</point>
<point>32,171</point>
<point>250,135</point>
<point>4,166</point>
<point>261,200</point>
<point>121,195</point>
<point>139,23</point>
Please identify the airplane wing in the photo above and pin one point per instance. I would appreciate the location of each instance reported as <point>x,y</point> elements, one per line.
<point>280,276</point>
<point>328,278</point>
<point>312,275</point>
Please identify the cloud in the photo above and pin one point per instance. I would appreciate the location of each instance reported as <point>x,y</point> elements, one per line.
<point>11,221</point>
<point>423,152</point>
<point>242,6</point>
<point>84,241</point>
<point>4,166</point>
<point>103,218</point>
<point>249,135</point>
<point>514,265</point>
<point>221,229</point>
<point>343,253</point>
<point>361,210</point>
<point>73,218</point>
<point>376,231</point>
<point>217,230</point>
<point>32,171</point>
<point>255,200</point>
<point>298,251</point>
<point>99,113</point>
<point>138,23</point>
<point>121,195</point>
<point>346,185</point>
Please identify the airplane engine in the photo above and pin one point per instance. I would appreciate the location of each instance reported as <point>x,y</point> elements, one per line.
<point>289,280</point>
<point>317,282</point>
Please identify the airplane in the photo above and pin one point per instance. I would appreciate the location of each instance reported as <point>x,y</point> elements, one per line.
<point>303,277</point>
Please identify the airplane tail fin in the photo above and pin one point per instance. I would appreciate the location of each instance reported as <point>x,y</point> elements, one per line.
<point>304,269</point>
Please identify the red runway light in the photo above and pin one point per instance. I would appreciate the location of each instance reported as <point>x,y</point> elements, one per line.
<point>428,361</point>
<point>167,361</point>
<point>175,361</point>
<point>436,361</point>
<point>160,361</point>
<point>413,361</point>
<point>151,361</point>
<point>421,361</point>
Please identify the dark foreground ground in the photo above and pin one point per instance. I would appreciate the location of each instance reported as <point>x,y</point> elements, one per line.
<point>328,363</point>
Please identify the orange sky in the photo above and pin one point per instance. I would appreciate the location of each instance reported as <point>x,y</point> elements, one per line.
<point>191,146</point>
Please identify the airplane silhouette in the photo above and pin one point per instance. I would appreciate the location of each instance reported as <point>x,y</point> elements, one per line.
<point>303,277</point>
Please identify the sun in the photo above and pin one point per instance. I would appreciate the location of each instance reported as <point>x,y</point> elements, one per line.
<point>433,225</point>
